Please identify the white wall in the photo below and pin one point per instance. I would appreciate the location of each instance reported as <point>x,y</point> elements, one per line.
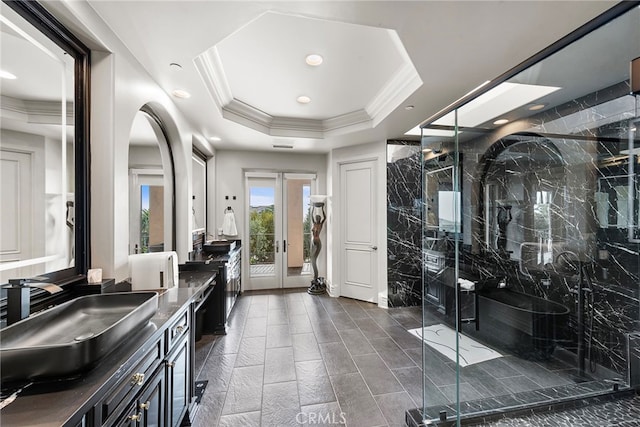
<point>145,157</point>
<point>119,88</point>
<point>230,167</point>
<point>373,151</point>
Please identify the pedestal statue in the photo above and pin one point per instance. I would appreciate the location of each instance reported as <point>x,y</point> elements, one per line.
<point>504,218</point>
<point>318,216</point>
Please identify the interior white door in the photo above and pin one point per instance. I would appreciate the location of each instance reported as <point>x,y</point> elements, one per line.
<point>16,208</point>
<point>358,231</point>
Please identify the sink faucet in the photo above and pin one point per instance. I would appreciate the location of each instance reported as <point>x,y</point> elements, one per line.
<point>19,297</point>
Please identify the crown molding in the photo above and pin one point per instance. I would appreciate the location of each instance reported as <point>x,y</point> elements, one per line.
<point>35,112</point>
<point>401,85</point>
<point>209,66</point>
<point>395,92</point>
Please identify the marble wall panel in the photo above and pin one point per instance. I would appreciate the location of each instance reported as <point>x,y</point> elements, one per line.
<point>404,224</point>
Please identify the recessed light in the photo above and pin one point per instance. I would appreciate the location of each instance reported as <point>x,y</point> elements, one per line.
<point>496,102</point>
<point>314,59</point>
<point>409,107</point>
<point>215,138</point>
<point>7,75</point>
<point>537,107</point>
<point>501,121</point>
<point>179,93</point>
<point>303,99</point>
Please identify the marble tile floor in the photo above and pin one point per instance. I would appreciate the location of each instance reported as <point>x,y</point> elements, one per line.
<point>293,359</point>
<point>622,412</point>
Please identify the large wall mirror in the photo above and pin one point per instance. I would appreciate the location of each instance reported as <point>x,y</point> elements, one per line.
<point>199,196</point>
<point>43,146</point>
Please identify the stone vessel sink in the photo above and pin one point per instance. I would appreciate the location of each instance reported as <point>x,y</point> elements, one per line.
<point>72,337</point>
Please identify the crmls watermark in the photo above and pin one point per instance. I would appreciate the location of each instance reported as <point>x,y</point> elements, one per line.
<point>311,418</point>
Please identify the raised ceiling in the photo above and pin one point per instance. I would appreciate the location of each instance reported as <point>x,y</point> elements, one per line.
<point>254,53</point>
<point>257,74</point>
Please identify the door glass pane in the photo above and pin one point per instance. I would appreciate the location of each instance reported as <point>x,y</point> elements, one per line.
<point>261,230</point>
<point>151,218</point>
<point>144,219</point>
<point>298,227</point>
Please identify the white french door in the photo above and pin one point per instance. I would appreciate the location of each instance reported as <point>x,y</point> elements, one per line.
<point>279,229</point>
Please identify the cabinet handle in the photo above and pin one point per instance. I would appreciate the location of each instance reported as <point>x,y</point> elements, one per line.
<point>137,379</point>
<point>171,364</point>
<point>180,329</point>
<point>145,406</point>
<point>135,417</point>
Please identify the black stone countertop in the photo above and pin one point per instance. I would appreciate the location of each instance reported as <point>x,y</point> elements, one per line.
<point>62,403</point>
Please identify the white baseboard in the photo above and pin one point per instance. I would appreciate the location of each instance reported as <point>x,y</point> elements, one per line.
<point>383,301</point>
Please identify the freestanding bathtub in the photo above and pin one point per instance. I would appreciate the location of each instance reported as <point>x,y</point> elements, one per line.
<point>525,324</point>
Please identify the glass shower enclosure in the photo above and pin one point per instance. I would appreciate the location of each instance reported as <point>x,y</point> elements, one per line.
<point>531,233</point>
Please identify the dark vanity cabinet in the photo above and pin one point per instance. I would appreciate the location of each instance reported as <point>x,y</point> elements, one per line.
<point>157,390</point>
<point>225,294</point>
<point>178,372</point>
<point>226,260</point>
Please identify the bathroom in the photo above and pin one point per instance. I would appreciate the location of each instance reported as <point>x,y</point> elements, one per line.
<point>530,204</point>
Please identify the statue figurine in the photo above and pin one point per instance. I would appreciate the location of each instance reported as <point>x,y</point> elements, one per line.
<point>318,285</point>
<point>504,218</point>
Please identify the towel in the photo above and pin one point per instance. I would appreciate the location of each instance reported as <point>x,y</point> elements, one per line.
<point>466,285</point>
<point>229,224</point>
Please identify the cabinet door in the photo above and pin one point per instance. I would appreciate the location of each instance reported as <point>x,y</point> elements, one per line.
<point>178,378</point>
<point>130,418</point>
<point>151,402</point>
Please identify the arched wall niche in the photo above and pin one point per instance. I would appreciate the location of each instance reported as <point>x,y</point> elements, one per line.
<point>180,147</point>
<point>516,202</point>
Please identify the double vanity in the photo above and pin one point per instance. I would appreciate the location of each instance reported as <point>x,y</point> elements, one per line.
<point>137,369</point>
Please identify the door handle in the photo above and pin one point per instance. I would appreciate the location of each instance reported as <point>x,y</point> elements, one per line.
<point>277,246</point>
<point>375,248</point>
<point>284,246</point>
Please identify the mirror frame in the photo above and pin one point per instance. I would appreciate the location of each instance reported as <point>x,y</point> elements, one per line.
<point>46,23</point>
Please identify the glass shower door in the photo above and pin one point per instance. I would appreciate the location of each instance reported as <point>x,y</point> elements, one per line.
<point>536,275</point>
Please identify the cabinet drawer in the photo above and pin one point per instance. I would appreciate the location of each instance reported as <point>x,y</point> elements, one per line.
<point>134,381</point>
<point>178,329</point>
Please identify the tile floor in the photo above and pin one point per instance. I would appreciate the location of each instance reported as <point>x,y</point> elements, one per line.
<point>293,359</point>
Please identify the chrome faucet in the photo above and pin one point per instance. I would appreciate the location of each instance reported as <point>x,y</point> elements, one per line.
<point>19,297</point>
